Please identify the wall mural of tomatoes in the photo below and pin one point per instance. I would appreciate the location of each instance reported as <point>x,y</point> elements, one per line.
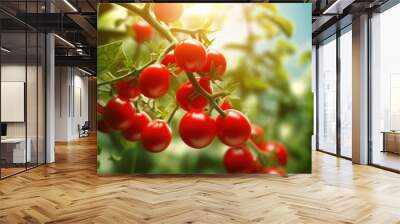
<point>204,88</point>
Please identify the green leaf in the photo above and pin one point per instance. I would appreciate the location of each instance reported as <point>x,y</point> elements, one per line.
<point>234,46</point>
<point>280,22</point>
<point>270,7</point>
<point>110,57</point>
<point>305,58</point>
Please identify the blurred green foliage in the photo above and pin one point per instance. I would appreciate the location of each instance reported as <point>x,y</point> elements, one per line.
<point>262,87</point>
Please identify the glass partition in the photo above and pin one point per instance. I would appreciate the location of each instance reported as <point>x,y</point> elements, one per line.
<point>13,94</point>
<point>327,96</point>
<point>346,93</point>
<point>22,101</point>
<point>385,89</point>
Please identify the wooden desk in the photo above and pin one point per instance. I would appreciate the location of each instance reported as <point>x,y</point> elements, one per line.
<point>391,141</point>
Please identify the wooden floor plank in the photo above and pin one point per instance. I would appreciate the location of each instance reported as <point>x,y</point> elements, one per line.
<point>69,191</point>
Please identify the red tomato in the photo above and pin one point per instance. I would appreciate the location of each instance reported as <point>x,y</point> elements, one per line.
<point>126,89</point>
<point>186,98</point>
<point>154,81</point>
<point>156,136</point>
<point>169,59</point>
<point>103,127</point>
<point>277,148</point>
<point>197,129</point>
<point>274,171</point>
<point>100,109</point>
<point>190,55</point>
<point>238,160</point>
<point>168,12</point>
<point>118,113</point>
<point>257,134</point>
<point>139,120</point>
<point>143,31</point>
<point>255,167</point>
<point>226,105</point>
<point>234,129</point>
<point>215,62</point>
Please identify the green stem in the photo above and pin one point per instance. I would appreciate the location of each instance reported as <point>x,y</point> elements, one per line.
<point>188,31</point>
<point>165,51</point>
<point>111,81</point>
<point>220,94</point>
<point>209,97</point>
<point>265,161</point>
<point>137,52</point>
<point>172,114</point>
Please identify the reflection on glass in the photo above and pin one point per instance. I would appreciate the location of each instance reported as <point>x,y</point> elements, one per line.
<point>386,89</point>
<point>327,96</point>
<point>31,97</point>
<point>346,94</point>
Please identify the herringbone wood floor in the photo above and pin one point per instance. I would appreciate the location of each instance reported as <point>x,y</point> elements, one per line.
<point>69,191</point>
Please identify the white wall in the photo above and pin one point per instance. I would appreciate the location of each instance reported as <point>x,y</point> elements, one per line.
<point>71,102</point>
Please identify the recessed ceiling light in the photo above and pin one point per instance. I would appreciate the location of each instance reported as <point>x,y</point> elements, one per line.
<point>5,50</point>
<point>65,41</point>
<point>70,5</point>
<point>84,71</point>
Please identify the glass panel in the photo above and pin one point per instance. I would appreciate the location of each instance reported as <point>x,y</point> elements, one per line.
<point>346,94</point>
<point>327,96</point>
<point>13,86</point>
<point>32,88</point>
<point>385,84</point>
<point>31,100</point>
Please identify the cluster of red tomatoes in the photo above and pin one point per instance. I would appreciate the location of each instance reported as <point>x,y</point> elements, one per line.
<point>196,128</point>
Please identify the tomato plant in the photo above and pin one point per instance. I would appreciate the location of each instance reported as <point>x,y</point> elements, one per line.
<point>190,55</point>
<point>274,171</point>
<point>143,31</point>
<point>233,129</point>
<point>126,89</point>
<point>197,129</point>
<point>103,127</point>
<point>168,12</point>
<point>238,159</point>
<point>170,59</point>
<point>226,105</point>
<point>138,122</point>
<point>257,133</point>
<point>145,104</point>
<point>156,136</point>
<point>215,62</point>
<point>188,98</point>
<point>277,149</point>
<point>154,81</point>
<point>118,113</point>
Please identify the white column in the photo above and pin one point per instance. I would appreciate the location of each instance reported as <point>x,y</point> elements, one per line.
<point>50,98</point>
<point>50,92</point>
<point>360,90</point>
